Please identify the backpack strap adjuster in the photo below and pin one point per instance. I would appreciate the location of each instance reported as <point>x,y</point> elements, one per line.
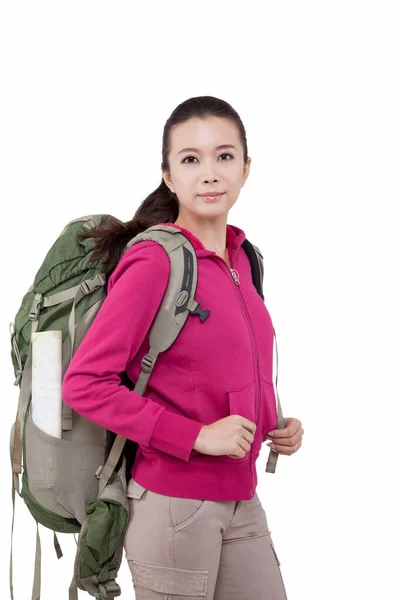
<point>148,361</point>
<point>85,287</point>
<point>89,285</point>
<point>36,306</point>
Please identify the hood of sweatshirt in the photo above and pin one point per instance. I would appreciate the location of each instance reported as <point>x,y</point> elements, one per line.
<point>234,239</point>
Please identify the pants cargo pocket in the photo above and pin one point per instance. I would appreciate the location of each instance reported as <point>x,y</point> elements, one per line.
<point>279,569</point>
<point>153,582</point>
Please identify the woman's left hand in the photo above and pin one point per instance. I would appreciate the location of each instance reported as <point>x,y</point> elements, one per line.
<point>287,440</point>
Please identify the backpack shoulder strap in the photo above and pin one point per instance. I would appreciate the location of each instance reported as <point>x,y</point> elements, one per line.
<point>177,304</point>
<point>257,265</point>
<point>257,271</point>
<point>178,301</point>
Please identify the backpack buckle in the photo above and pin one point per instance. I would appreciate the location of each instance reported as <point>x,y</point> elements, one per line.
<point>196,309</point>
<point>148,363</point>
<point>90,285</point>
<point>85,287</point>
<point>36,306</point>
<point>108,589</point>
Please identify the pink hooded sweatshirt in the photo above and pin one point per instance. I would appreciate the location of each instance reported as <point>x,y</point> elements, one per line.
<point>216,368</point>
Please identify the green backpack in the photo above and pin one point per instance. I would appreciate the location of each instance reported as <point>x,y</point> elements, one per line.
<point>77,483</point>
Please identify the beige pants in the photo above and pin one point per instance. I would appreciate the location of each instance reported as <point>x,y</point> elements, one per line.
<point>186,549</point>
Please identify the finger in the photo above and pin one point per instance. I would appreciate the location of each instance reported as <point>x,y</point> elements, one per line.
<point>288,441</point>
<point>288,450</point>
<point>282,434</point>
<point>294,439</point>
<point>293,427</point>
<point>249,426</point>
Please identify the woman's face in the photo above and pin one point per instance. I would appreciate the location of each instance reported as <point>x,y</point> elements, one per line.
<point>205,167</point>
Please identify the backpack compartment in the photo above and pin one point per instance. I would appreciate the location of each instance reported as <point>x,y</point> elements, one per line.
<point>100,545</point>
<point>54,469</point>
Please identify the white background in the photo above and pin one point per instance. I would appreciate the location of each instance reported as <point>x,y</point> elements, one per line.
<point>86,88</point>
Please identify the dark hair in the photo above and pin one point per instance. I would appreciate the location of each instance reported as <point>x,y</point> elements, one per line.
<point>161,206</point>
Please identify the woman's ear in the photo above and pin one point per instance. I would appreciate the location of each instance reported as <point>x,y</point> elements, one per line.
<point>167,180</point>
<point>246,170</point>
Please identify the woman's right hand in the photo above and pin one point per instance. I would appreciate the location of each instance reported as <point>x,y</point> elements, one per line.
<point>232,435</point>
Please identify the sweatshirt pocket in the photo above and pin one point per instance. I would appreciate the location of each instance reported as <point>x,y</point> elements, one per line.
<point>241,402</point>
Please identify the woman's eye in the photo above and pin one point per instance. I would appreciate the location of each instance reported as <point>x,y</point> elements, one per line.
<point>224,154</point>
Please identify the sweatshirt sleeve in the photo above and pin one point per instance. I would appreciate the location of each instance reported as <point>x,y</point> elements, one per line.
<point>91,384</point>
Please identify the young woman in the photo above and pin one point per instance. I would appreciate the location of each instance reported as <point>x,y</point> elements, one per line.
<point>197,527</point>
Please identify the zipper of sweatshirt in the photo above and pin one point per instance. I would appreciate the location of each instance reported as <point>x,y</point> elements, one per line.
<point>235,277</point>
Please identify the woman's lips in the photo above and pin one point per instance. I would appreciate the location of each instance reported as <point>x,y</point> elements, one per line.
<point>212,198</point>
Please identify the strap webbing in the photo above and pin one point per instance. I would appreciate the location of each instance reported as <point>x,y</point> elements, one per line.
<point>148,363</point>
<point>110,465</point>
<point>14,488</point>
<point>38,560</point>
<point>77,293</point>
<point>24,399</point>
<point>273,456</point>
<point>55,299</point>
<point>73,590</point>
<point>57,546</point>
<point>85,287</point>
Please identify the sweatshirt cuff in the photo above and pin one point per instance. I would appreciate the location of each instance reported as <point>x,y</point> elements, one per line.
<point>175,434</point>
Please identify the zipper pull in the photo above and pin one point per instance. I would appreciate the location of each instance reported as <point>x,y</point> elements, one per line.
<point>235,276</point>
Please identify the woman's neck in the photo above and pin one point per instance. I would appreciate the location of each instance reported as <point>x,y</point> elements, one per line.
<point>212,237</point>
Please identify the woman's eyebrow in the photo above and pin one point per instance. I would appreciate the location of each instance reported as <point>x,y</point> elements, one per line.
<point>220,147</point>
